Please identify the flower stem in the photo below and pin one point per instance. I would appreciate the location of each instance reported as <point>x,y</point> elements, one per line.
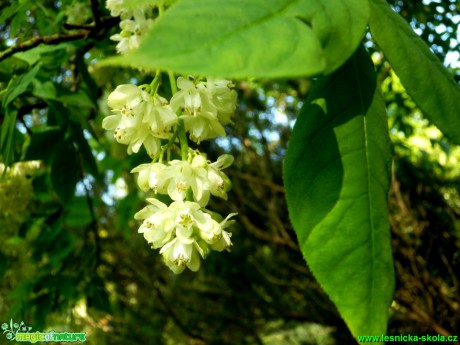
<point>180,128</point>
<point>155,83</point>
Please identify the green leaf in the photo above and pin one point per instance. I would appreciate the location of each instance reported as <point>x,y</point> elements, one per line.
<point>15,88</point>
<point>257,38</point>
<point>79,99</point>
<point>19,85</point>
<point>65,171</point>
<point>7,136</point>
<point>43,143</point>
<point>14,8</point>
<point>88,160</point>
<point>426,80</point>
<point>45,90</point>
<point>337,174</point>
<point>135,4</point>
<point>79,214</point>
<point>33,55</point>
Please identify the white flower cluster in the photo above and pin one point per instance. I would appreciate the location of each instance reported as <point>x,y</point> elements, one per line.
<point>134,24</point>
<point>139,119</point>
<point>205,106</point>
<point>185,230</point>
<point>175,179</point>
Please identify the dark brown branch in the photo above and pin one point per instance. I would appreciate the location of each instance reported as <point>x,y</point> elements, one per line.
<point>87,31</point>
<point>33,42</point>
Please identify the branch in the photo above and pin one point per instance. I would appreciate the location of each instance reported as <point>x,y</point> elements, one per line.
<point>33,42</point>
<point>87,31</point>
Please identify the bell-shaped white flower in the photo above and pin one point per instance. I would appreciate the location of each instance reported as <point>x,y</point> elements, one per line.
<point>219,183</point>
<point>224,98</point>
<point>212,232</point>
<point>161,117</point>
<point>130,101</point>
<point>159,223</point>
<point>178,254</point>
<point>188,98</point>
<point>185,175</point>
<point>151,176</point>
<point>224,242</point>
<point>203,126</point>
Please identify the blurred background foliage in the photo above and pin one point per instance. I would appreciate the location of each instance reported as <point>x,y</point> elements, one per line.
<point>72,259</point>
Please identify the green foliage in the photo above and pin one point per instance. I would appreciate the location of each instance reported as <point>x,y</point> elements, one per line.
<point>15,88</point>
<point>337,173</point>
<point>19,85</point>
<point>64,171</point>
<point>261,39</point>
<point>426,80</point>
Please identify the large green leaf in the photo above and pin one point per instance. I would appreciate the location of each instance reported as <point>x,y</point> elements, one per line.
<point>337,175</point>
<point>135,4</point>
<point>256,38</point>
<point>426,80</point>
<point>65,170</point>
<point>87,157</point>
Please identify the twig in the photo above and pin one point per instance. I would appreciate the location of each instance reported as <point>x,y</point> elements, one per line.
<point>35,41</point>
<point>87,31</point>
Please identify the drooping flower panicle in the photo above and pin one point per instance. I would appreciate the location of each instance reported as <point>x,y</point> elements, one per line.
<point>185,231</point>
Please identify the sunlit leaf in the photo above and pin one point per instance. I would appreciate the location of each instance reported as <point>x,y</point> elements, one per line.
<point>135,4</point>
<point>425,78</point>
<point>256,38</point>
<point>337,174</point>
